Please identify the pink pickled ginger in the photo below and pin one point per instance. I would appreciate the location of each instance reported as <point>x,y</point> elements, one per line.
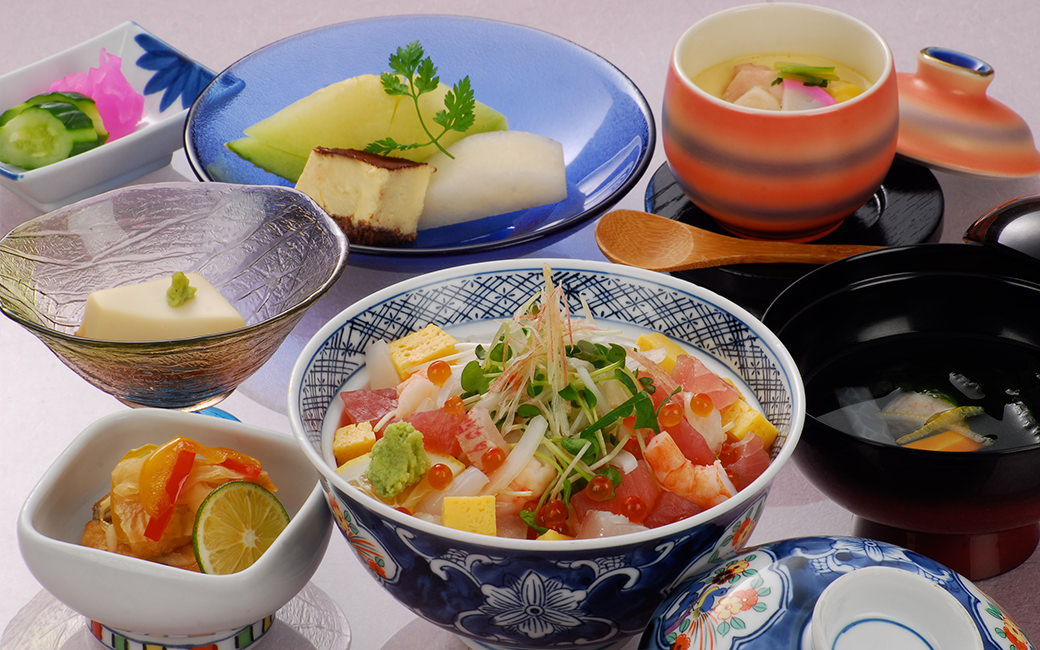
<point>121,107</point>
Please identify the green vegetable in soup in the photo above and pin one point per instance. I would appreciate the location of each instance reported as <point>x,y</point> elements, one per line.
<point>810,75</point>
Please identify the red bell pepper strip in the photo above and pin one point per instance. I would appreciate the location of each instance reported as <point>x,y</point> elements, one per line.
<point>164,473</point>
<point>174,483</point>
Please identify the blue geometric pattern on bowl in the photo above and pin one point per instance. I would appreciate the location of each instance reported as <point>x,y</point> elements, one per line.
<point>503,593</point>
<point>176,76</point>
<point>764,598</point>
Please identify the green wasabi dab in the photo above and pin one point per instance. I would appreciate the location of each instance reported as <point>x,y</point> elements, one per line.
<point>398,460</point>
<point>180,290</point>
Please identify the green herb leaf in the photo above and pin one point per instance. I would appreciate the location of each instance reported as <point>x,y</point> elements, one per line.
<point>528,410</point>
<point>500,353</point>
<point>810,75</point>
<point>626,380</point>
<point>646,416</point>
<point>589,397</point>
<point>569,393</point>
<point>413,74</point>
<point>613,473</point>
<point>531,519</point>
<point>573,446</point>
<point>473,379</point>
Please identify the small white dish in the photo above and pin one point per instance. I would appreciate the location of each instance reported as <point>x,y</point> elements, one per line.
<point>169,80</point>
<point>882,606</point>
<point>126,598</point>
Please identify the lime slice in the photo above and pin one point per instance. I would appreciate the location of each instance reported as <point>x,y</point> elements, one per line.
<point>235,524</point>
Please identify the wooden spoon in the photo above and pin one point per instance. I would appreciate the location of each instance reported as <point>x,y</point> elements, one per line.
<point>660,244</point>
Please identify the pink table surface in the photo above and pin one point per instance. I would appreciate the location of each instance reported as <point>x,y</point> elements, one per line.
<point>43,405</point>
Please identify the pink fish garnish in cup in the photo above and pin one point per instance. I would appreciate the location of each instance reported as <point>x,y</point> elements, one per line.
<point>121,107</point>
<point>800,97</point>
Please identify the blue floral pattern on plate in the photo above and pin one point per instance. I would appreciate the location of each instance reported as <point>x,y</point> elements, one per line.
<point>764,597</point>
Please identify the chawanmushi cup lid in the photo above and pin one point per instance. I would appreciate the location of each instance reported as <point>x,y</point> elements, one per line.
<point>947,121</point>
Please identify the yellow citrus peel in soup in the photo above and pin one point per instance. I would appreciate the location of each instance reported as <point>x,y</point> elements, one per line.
<point>156,492</point>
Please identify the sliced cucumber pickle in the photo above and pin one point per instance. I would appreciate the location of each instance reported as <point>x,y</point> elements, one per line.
<point>45,133</point>
<point>79,100</point>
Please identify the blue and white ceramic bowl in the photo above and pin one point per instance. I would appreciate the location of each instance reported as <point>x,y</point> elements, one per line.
<point>507,593</point>
<point>169,80</point>
<point>769,597</point>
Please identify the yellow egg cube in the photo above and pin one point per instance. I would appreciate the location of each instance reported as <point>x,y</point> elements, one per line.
<point>422,346</point>
<point>352,440</point>
<point>655,340</point>
<point>740,419</point>
<point>354,469</point>
<point>553,535</point>
<point>473,514</point>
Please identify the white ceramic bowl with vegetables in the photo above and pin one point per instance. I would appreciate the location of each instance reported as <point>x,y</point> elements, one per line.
<point>160,85</point>
<point>139,600</point>
<point>595,575</point>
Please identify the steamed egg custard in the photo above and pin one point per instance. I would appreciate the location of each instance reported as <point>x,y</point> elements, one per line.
<point>547,425</point>
<point>782,81</point>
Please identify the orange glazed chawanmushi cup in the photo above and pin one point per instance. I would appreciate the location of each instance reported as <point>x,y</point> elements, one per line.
<point>767,174</point>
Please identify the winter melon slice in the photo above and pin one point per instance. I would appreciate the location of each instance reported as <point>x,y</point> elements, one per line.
<point>350,114</point>
<point>288,166</point>
<point>494,173</point>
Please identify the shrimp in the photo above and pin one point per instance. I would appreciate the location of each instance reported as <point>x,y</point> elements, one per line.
<point>705,485</point>
<point>417,393</point>
<point>533,479</point>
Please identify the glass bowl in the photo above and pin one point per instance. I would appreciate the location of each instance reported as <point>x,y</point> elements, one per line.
<point>270,251</point>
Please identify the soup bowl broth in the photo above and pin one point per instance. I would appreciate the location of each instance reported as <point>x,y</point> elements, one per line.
<point>780,174</point>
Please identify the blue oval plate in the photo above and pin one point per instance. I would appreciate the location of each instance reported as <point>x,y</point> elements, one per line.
<point>541,82</point>
<point>764,598</point>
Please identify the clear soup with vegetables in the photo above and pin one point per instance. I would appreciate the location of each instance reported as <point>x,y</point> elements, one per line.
<point>935,392</point>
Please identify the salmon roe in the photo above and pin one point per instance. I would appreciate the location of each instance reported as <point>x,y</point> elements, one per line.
<point>701,404</point>
<point>438,372</point>
<point>600,488</point>
<point>634,508</point>
<point>671,414</point>
<point>492,459</point>
<point>439,475</point>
